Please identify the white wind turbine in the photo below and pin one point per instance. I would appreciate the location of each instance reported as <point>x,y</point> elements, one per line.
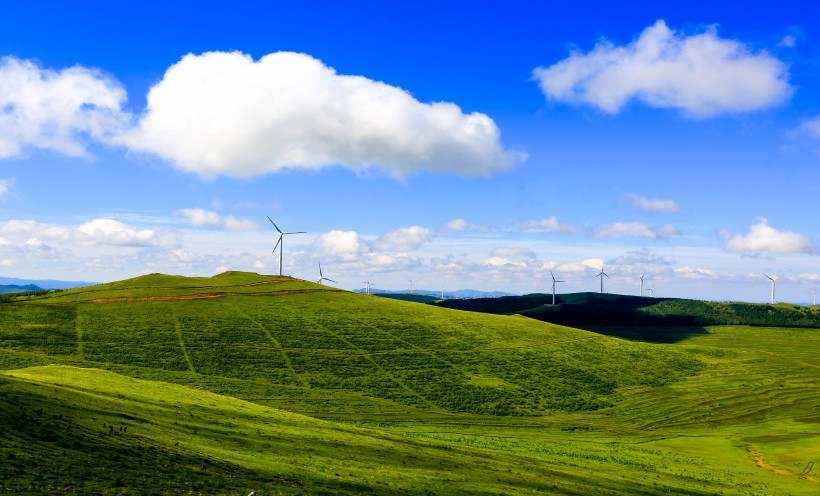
<point>411,286</point>
<point>652,291</point>
<point>601,275</point>
<point>367,287</point>
<point>280,244</point>
<point>554,281</point>
<point>814,298</point>
<point>321,277</point>
<point>641,293</point>
<point>773,279</point>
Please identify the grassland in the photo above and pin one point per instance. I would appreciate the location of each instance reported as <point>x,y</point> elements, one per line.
<point>283,386</point>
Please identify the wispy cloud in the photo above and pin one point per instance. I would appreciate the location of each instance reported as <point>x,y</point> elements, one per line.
<point>701,75</point>
<point>695,273</point>
<point>461,225</point>
<point>207,218</point>
<point>549,224</point>
<point>635,229</point>
<point>651,205</point>
<point>515,252</point>
<point>761,237</point>
<point>5,186</point>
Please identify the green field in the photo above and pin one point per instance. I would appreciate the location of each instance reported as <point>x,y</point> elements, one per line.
<point>243,382</point>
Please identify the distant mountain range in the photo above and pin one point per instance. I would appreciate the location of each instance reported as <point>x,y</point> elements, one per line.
<point>42,283</point>
<point>14,288</point>
<point>461,294</point>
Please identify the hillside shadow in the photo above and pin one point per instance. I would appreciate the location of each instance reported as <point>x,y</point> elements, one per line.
<point>622,316</point>
<point>648,334</point>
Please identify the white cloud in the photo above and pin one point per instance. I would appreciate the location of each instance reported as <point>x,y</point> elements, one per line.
<point>764,238</point>
<point>207,218</point>
<point>583,266</point>
<point>56,110</point>
<point>635,229</point>
<point>223,113</point>
<point>651,205</point>
<point>808,276</point>
<point>342,243</point>
<point>112,232</point>
<point>404,239</point>
<point>694,273</point>
<point>702,75</point>
<point>7,262</point>
<point>95,232</point>
<point>501,262</point>
<point>788,41</point>
<point>550,224</point>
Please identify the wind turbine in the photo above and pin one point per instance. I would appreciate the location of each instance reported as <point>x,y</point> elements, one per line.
<point>321,277</point>
<point>773,279</point>
<point>652,291</point>
<point>601,275</point>
<point>280,242</point>
<point>367,287</point>
<point>814,298</point>
<point>411,286</point>
<point>641,285</point>
<point>553,286</point>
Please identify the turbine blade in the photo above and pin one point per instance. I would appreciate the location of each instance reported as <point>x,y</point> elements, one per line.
<point>320,268</point>
<point>274,225</point>
<point>277,244</point>
<point>296,232</point>
<point>331,280</point>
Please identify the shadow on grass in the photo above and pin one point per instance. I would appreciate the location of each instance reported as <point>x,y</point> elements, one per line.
<point>665,335</point>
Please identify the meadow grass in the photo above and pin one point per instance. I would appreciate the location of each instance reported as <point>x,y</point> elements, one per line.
<point>311,390</point>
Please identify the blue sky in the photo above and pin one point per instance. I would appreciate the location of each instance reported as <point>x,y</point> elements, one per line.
<point>461,147</point>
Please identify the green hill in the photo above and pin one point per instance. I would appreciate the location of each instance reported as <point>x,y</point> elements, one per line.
<point>284,386</point>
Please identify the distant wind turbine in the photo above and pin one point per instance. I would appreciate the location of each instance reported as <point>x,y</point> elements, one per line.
<point>411,286</point>
<point>367,287</point>
<point>813,297</point>
<point>641,293</point>
<point>321,277</point>
<point>773,279</point>
<point>554,281</point>
<point>280,244</point>
<point>652,291</point>
<point>601,275</point>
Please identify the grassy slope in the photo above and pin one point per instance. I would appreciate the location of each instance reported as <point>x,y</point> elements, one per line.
<point>420,374</point>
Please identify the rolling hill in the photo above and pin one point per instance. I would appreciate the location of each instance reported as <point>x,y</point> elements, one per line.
<point>281,384</point>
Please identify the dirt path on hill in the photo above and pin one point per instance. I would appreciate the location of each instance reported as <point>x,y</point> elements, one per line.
<point>760,461</point>
<point>279,280</point>
<point>201,296</point>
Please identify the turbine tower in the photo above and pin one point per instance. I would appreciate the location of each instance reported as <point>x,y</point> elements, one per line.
<point>321,277</point>
<point>280,244</point>
<point>411,286</point>
<point>773,279</point>
<point>601,275</point>
<point>641,294</point>
<point>553,286</point>
<point>814,298</point>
